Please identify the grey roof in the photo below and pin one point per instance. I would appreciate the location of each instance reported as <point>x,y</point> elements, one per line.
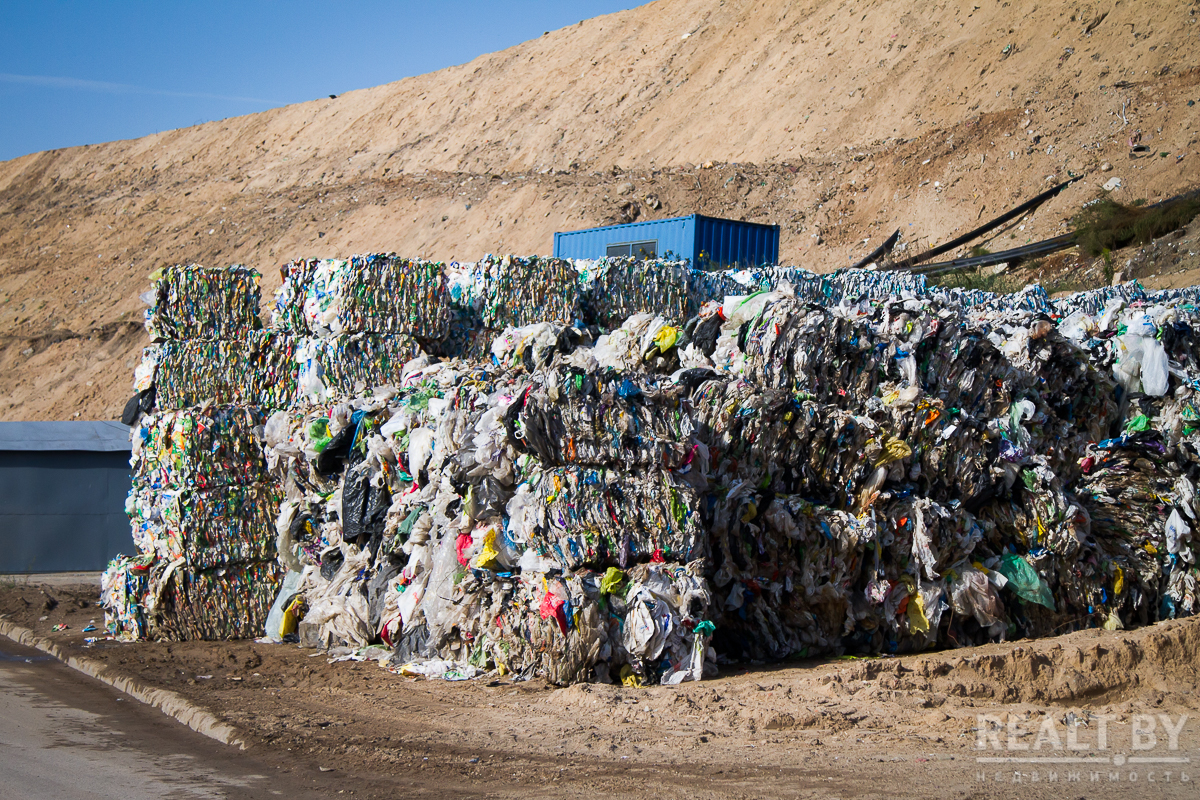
<point>84,435</point>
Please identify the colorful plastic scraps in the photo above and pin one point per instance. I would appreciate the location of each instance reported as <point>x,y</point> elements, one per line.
<point>519,291</point>
<point>228,602</point>
<point>605,418</point>
<point>287,314</point>
<point>786,574</point>
<point>206,528</point>
<point>378,293</point>
<point>124,587</point>
<point>349,363</point>
<point>258,369</point>
<point>195,302</point>
<point>622,287</point>
<point>594,518</point>
<point>631,626</point>
<point>198,447</point>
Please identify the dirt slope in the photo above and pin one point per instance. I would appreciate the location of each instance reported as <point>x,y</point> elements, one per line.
<point>840,121</point>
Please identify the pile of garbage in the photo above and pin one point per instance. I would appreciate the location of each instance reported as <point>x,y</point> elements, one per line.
<point>659,475</point>
<point>202,504</point>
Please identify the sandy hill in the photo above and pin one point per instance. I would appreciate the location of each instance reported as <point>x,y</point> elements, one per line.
<point>840,121</point>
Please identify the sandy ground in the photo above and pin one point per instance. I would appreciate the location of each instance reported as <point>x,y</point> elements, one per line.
<point>839,122</point>
<point>841,728</point>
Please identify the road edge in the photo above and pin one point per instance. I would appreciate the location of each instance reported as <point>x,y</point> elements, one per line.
<point>166,701</point>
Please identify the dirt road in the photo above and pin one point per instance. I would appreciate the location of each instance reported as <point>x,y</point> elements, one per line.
<point>857,728</point>
<point>66,736</point>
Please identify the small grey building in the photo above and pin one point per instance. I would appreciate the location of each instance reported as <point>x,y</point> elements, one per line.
<point>62,495</point>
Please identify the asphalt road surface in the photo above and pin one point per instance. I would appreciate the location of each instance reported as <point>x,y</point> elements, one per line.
<point>64,736</point>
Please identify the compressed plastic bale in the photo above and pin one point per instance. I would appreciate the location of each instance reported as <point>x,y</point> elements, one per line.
<point>784,571</point>
<point>924,538</point>
<point>1142,507</point>
<point>206,528</point>
<point>1038,513</point>
<point>580,626</point>
<point>608,418</point>
<point>352,363</point>
<point>557,631</point>
<point>659,622</point>
<point>257,369</point>
<point>800,447</point>
<point>950,455</point>
<point>904,580</point>
<point>228,602</point>
<point>784,344</point>
<point>199,447</point>
<point>287,313</point>
<point>1093,301</point>
<point>195,302</point>
<point>622,287</point>
<point>519,291</point>
<point>377,294</point>
<point>707,286</point>
<point>593,518</point>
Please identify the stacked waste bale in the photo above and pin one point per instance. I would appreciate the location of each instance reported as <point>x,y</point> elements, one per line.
<point>786,571</point>
<point>202,505</point>
<point>622,287</point>
<point>613,503</point>
<point>346,320</point>
<point>499,293</point>
<point>819,465</point>
<point>208,343</point>
<point>605,418</point>
<point>520,291</point>
<point>420,516</point>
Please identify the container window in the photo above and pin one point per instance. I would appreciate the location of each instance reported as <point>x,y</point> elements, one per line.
<point>645,249</point>
<point>648,249</point>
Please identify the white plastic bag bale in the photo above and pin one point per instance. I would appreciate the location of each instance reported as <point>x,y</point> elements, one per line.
<point>1128,367</point>
<point>1155,372</point>
<point>291,584</point>
<point>1178,535</point>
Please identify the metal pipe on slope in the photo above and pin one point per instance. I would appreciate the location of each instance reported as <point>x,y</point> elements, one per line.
<point>982,229</point>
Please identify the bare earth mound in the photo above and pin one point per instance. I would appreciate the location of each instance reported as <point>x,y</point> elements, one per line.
<point>839,121</point>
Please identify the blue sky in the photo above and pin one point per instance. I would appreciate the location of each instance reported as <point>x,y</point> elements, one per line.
<point>83,72</point>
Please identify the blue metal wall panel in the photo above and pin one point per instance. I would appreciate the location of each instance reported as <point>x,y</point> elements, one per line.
<point>63,511</point>
<point>723,242</point>
<point>673,235</point>
<point>727,242</point>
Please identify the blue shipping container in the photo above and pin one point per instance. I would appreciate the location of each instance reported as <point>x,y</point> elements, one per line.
<point>704,241</point>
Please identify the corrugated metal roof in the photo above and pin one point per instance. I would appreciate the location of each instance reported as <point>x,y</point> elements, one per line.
<point>83,435</point>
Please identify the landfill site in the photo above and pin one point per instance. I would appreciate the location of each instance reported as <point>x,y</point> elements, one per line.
<point>914,503</point>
